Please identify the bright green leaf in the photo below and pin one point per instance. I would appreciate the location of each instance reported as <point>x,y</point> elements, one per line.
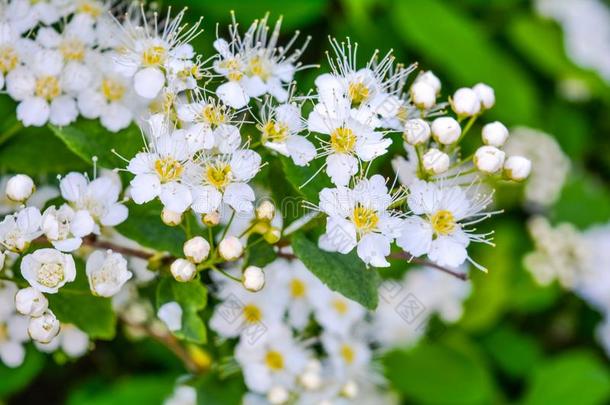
<point>93,315</point>
<point>148,390</point>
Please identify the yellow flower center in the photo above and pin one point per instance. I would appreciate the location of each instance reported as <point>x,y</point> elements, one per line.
<point>235,76</point>
<point>365,219</point>
<point>252,314</point>
<point>443,222</point>
<point>50,274</point>
<point>214,115</point>
<point>358,92</point>
<point>340,306</point>
<point>89,7</point>
<point>274,360</point>
<point>168,169</point>
<point>112,90</point>
<point>3,332</point>
<point>153,56</point>
<point>218,174</point>
<point>297,288</point>
<point>47,87</point>
<point>8,59</point>
<point>343,140</point>
<point>258,68</point>
<point>274,132</point>
<point>72,49</point>
<point>347,353</point>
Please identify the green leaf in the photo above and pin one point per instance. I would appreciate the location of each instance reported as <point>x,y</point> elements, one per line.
<point>583,190</point>
<point>144,226</point>
<point>260,254</point>
<point>515,353</point>
<point>437,373</point>
<point>87,138</point>
<point>298,176</point>
<point>93,315</point>
<point>345,274</point>
<point>192,297</point>
<point>16,379</point>
<point>578,378</point>
<point>129,390</point>
<point>212,390</point>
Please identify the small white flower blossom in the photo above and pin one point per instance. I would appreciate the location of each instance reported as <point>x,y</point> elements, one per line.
<point>48,270</point>
<point>65,227</point>
<point>107,273</point>
<point>171,315</point>
<point>19,229</point>
<point>71,340</point>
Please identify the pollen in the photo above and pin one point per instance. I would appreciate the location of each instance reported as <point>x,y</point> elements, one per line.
<point>343,140</point>
<point>47,87</point>
<point>168,169</point>
<point>358,92</point>
<point>258,68</point>
<point>214,115</point>
<point>297,288</point>
<point>90,7</point>
<point>8,59</point>
<point>443,222</point>
<point>274,132</point>
<point>154,55</point>
<point>365,219</point>
<point>347,354</point>
<point>218,174</point>
<point>72,49</point>
<point>112,90</point>
<point>274,360</point>
<point>50,274</point>
<point>340,306</point>
<point>252,314</point>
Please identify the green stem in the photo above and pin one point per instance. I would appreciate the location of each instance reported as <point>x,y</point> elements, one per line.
<point>224,232</point>
<point>225,273</point>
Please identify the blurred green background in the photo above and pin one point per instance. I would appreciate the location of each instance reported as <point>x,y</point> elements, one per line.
<point>517,342</point>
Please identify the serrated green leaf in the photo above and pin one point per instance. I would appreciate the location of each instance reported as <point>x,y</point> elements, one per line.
<point>345,274</point>
<point>144,226</point>
<point>192,298</point>
<point>87,138</point>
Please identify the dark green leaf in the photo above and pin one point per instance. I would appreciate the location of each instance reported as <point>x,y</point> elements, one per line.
<point>212,390</point>
<point>260,254</point>
<point>515,353</point>
<point>15,379</point>
<point>93,315</point>
<point>129,390</point>
<point>298,176</point>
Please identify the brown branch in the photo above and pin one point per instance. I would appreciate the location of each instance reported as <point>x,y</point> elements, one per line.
<point>93,241</point>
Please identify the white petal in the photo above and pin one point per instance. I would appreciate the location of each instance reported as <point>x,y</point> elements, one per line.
<point>341,167</point>
<point>148,82</point>
<point>239,196</point>
<point>73,186</point>
<point>116,214</point>
<point>416,236</point>
<point>206,199</point>
<point>373,249</point>
<point>300,149</point>
<point>145,187</point>
<point>448,251</point>
<point>233,94</point>
<point>33,111</point>
<point>175,196</point>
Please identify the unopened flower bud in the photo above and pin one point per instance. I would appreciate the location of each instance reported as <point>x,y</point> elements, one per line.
<point>435,161</point>
<point>495,134</point>
<point>486,94</point>
<point>211,219</point>
<point>517,168</point>
<point>489,159</point>
<point>446,130</point>
<point>183,270</point>
<point>265,211</point>
<point>417,131</point>
<point>43,328</point>
<point>310,380</point>
<point>272,236</point>
<point>277,395</point>
<point>20,187</point>
<point>465,102</point>
<point>431,80</point>
<point>423,95</point>
<point>196,249</point>
<point>230,248</point>
<point>253,278</point>
<point>171,218</point>
<point>31,302</point>
<point>350,389</point>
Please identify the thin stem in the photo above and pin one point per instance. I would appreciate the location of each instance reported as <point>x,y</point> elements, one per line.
<point>218,269</point>
<point>427,263</point>
<point>224,231</point>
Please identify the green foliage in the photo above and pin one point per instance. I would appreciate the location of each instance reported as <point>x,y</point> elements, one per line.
<point>16,379</point>
<point>516,353</point>
<point>583,191</point>
<point>305,180</point>
<point>212,390</point>
<point>345,274</point>
<point>259,254</point>
<point>128,390</point>
<point>192,298</point>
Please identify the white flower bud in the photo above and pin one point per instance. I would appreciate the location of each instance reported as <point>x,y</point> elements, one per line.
<point>265,211</point>
<point>489,159</point>
<point>350,389</point>
<point>435,161</point>
<point>431,80</point>
<point>106,272</point>
<point>31,302</point>
<point>171,315</point>
<point>310,380</point>
<point>423,95</point>
<point>495,134</point>
<point>43,328</point>
<point>253,278</point>
<point>196,249</point>
<point>230,248</point>
<point>446,130</point>
<point>465,102</point>
<point>211,219</point>
<point>183,270</point>
<point>486,94</point>
<point>20,187</point>
<point>277,395</point>
<point>171,218</point>
<point>417,131</point>
<point>517,168</point>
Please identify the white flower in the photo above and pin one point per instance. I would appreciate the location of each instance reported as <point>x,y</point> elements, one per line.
<point>417,131</point>
<point>65,227</point>
<point>196,249</point>
<point>253,278</point>
<point>230,248</point>
<point>335,313</point>
<point>431,80</point>
<point>43,328</point>
<point>183,270</point>
<point>14,328</point>
<point>440,220</point>
<point>436,162</point>
<point>265,211</point>
<point>517,168</point>
<point>489,159</point>
<point>182,395</point>
<point>486,94</point>
<point>361,218</point>
<point>446,130</point>
<point>465,102</point>
<point>18,230</point>
<point>48,270</point>
<point>13,48</point>
<point>171,315</point>
<point>348,354</point>
<point>171,218</point>
<point>20,187</point>
<point>278,395</point>
<point>495,134</point>
<point>423,95</point>
<point>29,301</point>
<point>99,197</point>
<point>280,128</point>
<point>72,341</point>
<point>107,273</point>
